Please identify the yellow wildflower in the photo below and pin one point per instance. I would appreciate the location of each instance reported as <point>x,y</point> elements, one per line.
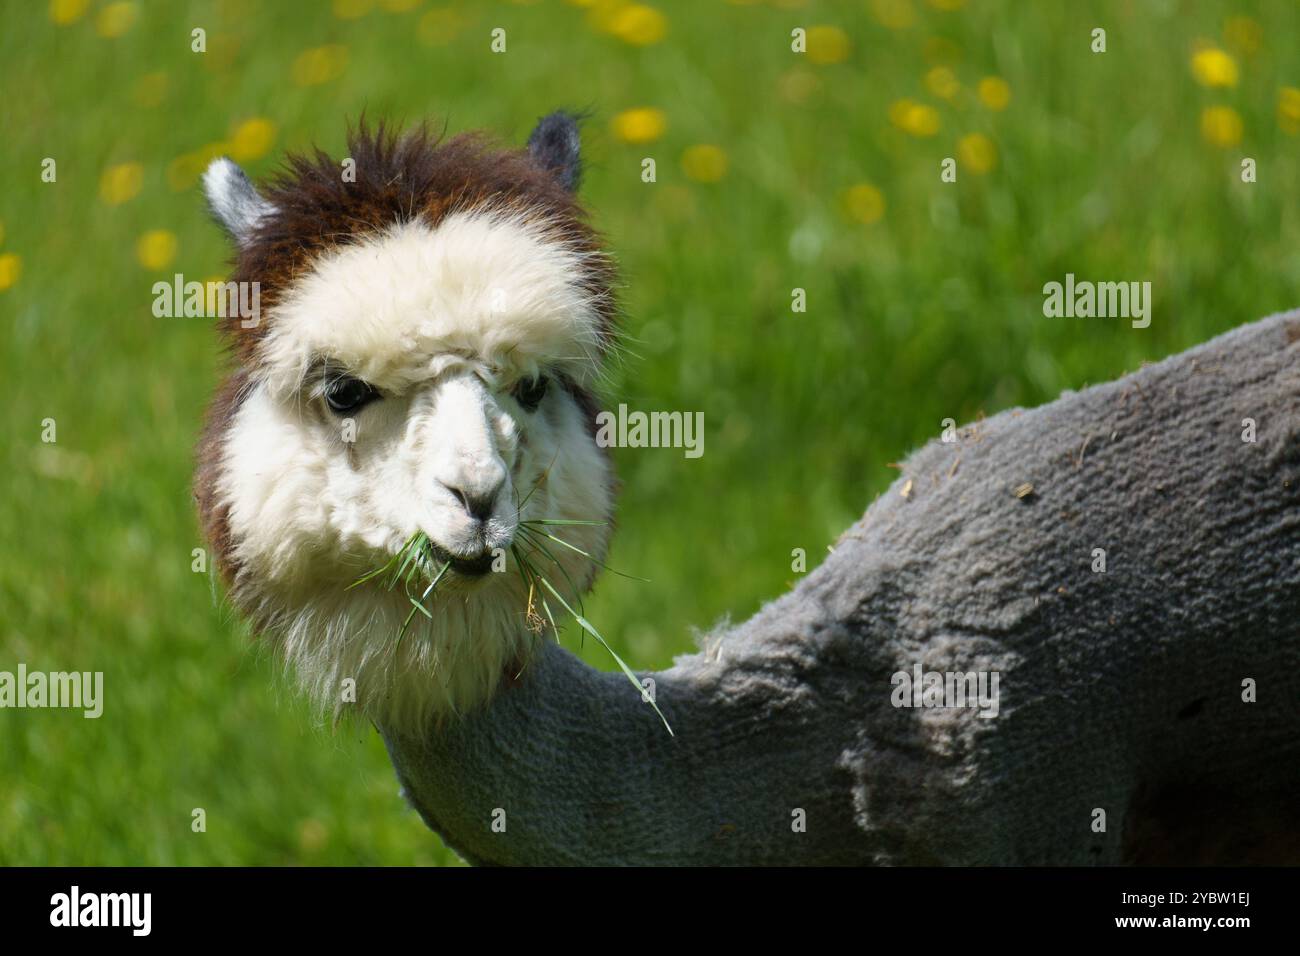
<point>864,203</point>
<point>914,118</point>
<point>1221,126</point>
<point>121,183</point>
<point>440,26</point>
<point>894,14</point>
<point>1214,67</point>
<point>11,267</point>
<point>352,9</point>
<point>644,124</point>
<point>704,163</point>
<point>1288,109</point>
<point>977,153</point>
<point>64,12</point>
<point>252,139</point>
<point>156,249</point>
<point>320,64</point>
<point>994,92</point>
<point>827,44</point>
<point>942,82</point>
<point>116,19</point>
<point>638,24</point>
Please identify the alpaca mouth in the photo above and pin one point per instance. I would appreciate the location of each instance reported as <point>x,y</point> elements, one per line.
<point>472,566</point>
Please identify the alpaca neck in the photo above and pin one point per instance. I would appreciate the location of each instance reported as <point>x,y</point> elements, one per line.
<point>583,743</point>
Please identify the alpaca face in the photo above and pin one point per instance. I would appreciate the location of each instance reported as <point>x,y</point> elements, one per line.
<point>430,374</point>
<point>418,381</point>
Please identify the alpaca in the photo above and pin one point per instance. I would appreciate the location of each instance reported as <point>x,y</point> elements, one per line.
<point>1129,729</point>
<point>431,338</point>
<point>431,331</point>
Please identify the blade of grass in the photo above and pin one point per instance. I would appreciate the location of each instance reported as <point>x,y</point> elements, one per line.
<point>370,575</point>
<point>582,635</point>
<point>541,546</point>
<point>419,605</point>
<point>538,483</point>
<point>589,628</point>
<point>532,575</point>
<point>387,565</point>
<point>563,521</point>
<point>555,628</point>
<point>413,548</point>
<point>594,560</point>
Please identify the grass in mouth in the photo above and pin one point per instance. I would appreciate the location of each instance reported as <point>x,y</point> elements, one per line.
<point>417,563</point>
<point>412,565</point>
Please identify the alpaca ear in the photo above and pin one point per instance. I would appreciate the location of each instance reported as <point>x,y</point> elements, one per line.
<point>234,201</point>
<point>554,146</point>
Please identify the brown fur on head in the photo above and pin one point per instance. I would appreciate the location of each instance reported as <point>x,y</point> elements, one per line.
<point>400,178</point>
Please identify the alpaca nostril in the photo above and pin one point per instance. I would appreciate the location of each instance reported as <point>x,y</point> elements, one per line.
<point>478,505</point>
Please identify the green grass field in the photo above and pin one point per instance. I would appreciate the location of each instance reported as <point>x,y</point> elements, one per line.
<point>776,170</point>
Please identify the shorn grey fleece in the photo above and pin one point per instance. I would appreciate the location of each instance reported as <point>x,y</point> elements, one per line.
<point>1125,728</point>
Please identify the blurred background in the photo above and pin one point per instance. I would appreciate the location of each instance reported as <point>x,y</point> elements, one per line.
<point>776,171</point>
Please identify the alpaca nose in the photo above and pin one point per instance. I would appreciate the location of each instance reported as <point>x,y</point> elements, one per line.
<point>477,502</point>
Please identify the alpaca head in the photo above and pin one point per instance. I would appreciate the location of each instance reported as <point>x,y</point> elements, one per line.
<point>432,319</point>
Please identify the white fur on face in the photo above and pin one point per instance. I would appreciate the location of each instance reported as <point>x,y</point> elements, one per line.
<point>443,322</point>
<point>482,284</point>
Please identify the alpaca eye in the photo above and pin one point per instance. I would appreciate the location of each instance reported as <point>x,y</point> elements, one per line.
<point>347,394</point>
<point>529,393</point>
